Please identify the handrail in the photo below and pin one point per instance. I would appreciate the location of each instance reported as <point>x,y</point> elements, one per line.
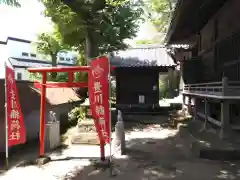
<point>201,84</point>
<point>234,87</point>
<point>224,88</point>
<point>233,83</point>
<point>207,87</point>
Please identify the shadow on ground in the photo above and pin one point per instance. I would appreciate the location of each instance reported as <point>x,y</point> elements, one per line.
<point>157,152</point>
<point>153,151</point>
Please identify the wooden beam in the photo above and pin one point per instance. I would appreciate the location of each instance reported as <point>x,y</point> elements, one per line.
<point>61,84</point>
<point>205,112</point>
<point>214,121</point>
<point>225,124</point>
<point>59,69</point>
<point>62,69</point>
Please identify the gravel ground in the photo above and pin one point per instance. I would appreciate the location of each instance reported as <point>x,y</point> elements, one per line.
<point>153,152</point>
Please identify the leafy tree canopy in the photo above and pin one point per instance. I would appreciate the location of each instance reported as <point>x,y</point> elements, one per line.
<point>101,24</point>
<point>160,12</point>
<point>51,44</point>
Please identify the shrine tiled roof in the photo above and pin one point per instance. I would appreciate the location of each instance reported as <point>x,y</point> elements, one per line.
<point>147,56</point>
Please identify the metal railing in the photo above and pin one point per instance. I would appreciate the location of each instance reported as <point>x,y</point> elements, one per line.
<point>223,88</point>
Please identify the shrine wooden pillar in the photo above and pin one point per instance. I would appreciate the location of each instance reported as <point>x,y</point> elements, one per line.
<point>189,105</point>
<point>225,110</point>
<point>206,112</point>
<point>42,113</point>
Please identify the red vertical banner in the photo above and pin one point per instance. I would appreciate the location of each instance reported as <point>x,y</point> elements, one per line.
<point>16,129</point>
<point>99,96</point>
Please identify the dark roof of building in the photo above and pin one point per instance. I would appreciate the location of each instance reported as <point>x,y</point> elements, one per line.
<point>147,56</point>
<point>189,17</point>
<point>15,39</point>
<point>25,63</point>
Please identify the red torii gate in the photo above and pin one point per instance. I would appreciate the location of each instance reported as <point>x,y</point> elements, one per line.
<point>44,85</point>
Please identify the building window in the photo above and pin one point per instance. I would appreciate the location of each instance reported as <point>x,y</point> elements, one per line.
<point>141,99</point>
<point>61,58</point>
<point>33,55</point>
<point>24,54</point>
<point>19,76</point>
<point>68,59</point>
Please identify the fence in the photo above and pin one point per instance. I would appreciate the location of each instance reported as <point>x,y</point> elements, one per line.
<point>221,89</point>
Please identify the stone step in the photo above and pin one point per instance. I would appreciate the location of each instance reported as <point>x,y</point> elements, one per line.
<point>86,126</point>
<point>86,133</point>
<point>87,122</point>
<point>85,138</point>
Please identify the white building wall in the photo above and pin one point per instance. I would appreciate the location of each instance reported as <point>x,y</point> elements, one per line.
<point>24,73</point>
<point>3,58</point>
<point>16,49</point>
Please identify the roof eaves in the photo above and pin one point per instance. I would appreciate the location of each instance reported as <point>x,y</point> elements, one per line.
<point>173,22</point>
<point>18,40</point>
<point>143,57</point>
<point>22,60</point>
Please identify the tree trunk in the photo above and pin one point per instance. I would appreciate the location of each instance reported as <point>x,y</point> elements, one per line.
<point>54,64</point>
<point>91,47</point>
<point>91,51</point>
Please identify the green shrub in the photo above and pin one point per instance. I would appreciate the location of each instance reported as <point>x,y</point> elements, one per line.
<point>163,90</point>
<point>77,114</point>
<point>70,120</point>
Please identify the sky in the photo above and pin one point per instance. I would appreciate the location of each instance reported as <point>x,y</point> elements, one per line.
<point>26,22</point>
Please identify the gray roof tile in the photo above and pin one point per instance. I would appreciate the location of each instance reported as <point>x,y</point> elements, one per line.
<point>149,56</point>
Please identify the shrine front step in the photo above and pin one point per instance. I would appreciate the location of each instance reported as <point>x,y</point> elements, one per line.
<point>90,138</point>
<point>86,126</point>
<point>86,133</point>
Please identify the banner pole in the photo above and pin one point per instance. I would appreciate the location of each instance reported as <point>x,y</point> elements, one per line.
<point>6,119</point>
<point>110,117</point>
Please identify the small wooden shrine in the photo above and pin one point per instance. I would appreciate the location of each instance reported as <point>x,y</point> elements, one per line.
<point>137,77</point>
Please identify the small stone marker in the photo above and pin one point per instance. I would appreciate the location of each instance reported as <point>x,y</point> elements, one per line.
<point>119,139</point>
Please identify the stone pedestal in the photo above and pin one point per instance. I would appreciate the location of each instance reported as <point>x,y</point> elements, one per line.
<point>52,136</point>
<point>119,139</point>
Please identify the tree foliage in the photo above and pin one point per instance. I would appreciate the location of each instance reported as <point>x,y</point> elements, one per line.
<point>48,44</point>
<point>98,26</point>
<point>51,44</point>
<point>14,3</point>
<point>160,12</point>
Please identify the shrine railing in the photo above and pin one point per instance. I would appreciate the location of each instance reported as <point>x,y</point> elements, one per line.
<point>223,89</point>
